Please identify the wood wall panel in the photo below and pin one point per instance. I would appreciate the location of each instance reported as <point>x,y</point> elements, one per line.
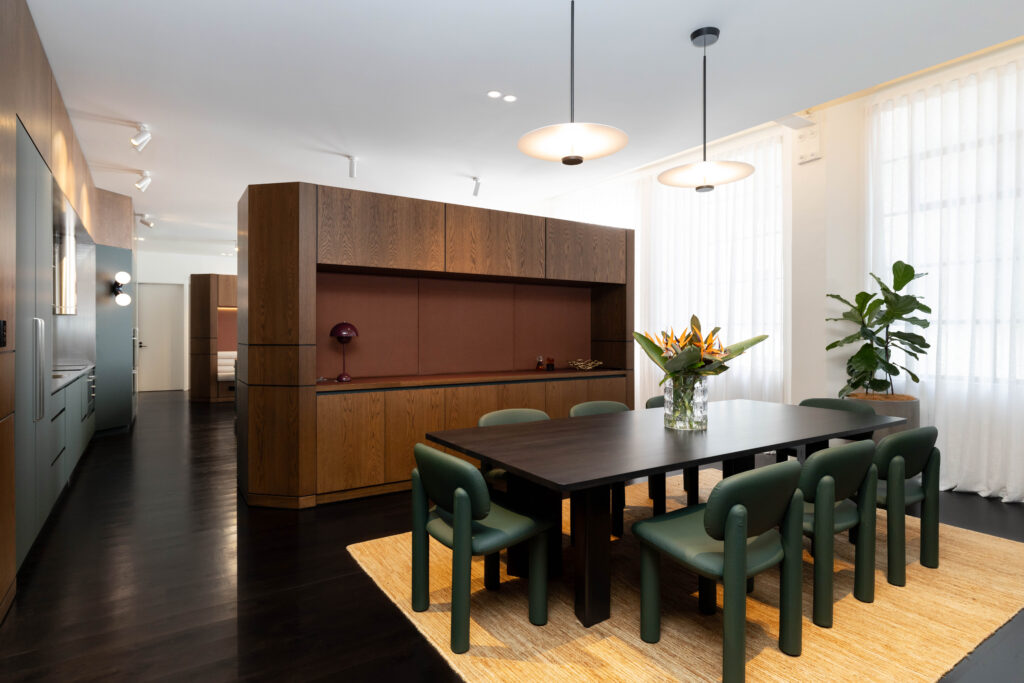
<point>7,520</point>
<point>113,220</point>
<point>379,231</point>
<point>33,81</point>
<point>550,321</point>
<point>281,440</point>
<point>227,290</point>
<point>465,326</point>
<point>584,252</point>
<point>227,329</point>
<point>277,365</point>
<point>410,414</point>
<point>484,242</point>
<point>384,309</point>
<point>522,395</point>
<point>6,383</point>
<point>559,397</point>
<point>242,285</point>
<point>350,445</point>
<point>202,376</point>
<point>281,255</point>
<point>202,306</point>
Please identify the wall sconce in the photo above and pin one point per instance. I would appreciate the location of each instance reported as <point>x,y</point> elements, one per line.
<point>344,332</point>
<point>121,298</point>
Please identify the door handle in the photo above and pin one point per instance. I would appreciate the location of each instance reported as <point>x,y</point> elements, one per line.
<point>40,345</point>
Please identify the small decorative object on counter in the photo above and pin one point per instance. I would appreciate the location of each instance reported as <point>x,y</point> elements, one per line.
<point>540,362</point>
<point>551,363</point>
<point>344,332</point>
<point>584,365</point>
<point>687,360</point>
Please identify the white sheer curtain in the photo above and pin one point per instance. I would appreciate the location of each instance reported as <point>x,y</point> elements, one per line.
<point>717,255</point>
<point>946,178</point>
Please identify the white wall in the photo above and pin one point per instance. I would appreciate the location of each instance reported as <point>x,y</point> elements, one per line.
<point>172,268</point>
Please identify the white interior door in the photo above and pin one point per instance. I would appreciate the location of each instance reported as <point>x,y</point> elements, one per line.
<point>161,337</point>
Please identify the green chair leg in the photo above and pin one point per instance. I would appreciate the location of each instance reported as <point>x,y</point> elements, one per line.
<point>707,598</point>
<point>864,563</point>
<point>791,579</point>
<point>420,547</point>
<point>930,512</point>
<point>896,510</point>
<point>824,513</point>
<point>750,585</point>
<point>538,579</point>
<point>734,603</point>
<point>462,559</point>
<point>650,595</point>
<point>492,571</point>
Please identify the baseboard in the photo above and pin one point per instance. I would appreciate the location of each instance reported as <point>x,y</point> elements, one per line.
<point>287,502</point>
<point>365,492</point>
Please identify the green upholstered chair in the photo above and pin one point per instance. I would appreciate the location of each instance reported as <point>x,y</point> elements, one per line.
<point>619,489</point>
<point>465,520</point>
<point>839,486</point>
<point>830,404</point>
<point>900,457</point>
<point>507,416</point>
<point>655,402</point>
<point>751,522</point>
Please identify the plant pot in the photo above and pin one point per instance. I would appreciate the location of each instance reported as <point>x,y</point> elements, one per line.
<point>899,405</point>
<point>686,403</point>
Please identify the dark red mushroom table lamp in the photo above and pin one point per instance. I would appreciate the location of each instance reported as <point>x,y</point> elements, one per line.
<point>344,332</point>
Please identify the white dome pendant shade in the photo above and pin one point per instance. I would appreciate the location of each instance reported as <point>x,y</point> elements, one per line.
<point>703,175</point>
<point>572,143</point>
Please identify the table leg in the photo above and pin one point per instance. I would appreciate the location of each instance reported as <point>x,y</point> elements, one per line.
<point>529,498</point>
<point>691,482</point>
<point>592,530</point>
<point>737,465</point>
<point>656,490</point>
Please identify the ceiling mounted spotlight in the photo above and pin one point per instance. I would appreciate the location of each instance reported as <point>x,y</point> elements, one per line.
<point>141,138</point>
<point>146,220</point>
<point>476,186</point>
<point>494,94</point>
<point>510,98</point>
<point>144,180</point>
<point>704,175</point>
<point>351,164</point>
<point>572,142</point>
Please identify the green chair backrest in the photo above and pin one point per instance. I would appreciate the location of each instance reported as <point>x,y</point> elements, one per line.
<point>441,474</point>
<point>846,464</point>
<point>511,416</point>
<point>765,492</point>
<point>656,401</point>
<point>597,408</point>
<point>915,445</point>
<point>838,404</point>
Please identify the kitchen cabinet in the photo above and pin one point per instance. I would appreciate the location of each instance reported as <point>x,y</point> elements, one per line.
<point>350,442</point>
<point>584,252</point>
<point>483,242</point>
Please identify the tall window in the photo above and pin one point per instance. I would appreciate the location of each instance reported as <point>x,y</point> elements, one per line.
<point>717,255</point>
<point>946,179</point>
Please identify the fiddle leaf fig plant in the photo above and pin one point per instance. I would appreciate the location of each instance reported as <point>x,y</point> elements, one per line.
<point>872,368</point>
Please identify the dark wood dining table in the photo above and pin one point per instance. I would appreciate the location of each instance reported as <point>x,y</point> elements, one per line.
<point>582,457</point>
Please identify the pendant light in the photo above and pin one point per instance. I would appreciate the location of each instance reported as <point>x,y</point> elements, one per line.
<point>704,175</point>
<point>572,142</point>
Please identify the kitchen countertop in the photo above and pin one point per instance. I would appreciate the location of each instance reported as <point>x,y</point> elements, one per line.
<point>62,378</point>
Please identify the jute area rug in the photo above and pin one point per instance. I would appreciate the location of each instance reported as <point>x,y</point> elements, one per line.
<point>917,632</point>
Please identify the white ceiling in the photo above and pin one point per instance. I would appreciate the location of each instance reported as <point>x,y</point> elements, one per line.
<point>239,92</point>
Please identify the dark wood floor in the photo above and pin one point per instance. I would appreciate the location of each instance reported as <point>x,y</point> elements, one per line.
<point>151,568</point>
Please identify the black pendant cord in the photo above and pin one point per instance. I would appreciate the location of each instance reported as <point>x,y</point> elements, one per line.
<point>704,102</point>
<point>572,61</point>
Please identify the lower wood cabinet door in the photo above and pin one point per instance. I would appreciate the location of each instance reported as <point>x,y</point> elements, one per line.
<point>561,395</point>
<point>410,414</point>
<point>350,450</point>
<point>522,395</point>
<point>607,389</point>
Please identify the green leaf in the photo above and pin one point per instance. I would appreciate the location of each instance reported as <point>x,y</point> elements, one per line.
<point>844,341</point>
<point>684,360</point>
<point>912,375</point>
<point>911,338</point>
<point>902,274</point>
<point>733,350</point>
<point>906,350</point>
<point>853,317</point>
<point>695,325</point>
<point>920,322</point>
<point>652,350</point>
<point>872,311</point>
<point>879,385</point>
<point>865,360</point>
<point>862,301</point>
<point>884,287</point>
<point>888,368</point>
<point>924,309</point>
<point>839,298</point>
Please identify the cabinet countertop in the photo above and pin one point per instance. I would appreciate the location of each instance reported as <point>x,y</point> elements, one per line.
<point>66,377</point>
<point>409,381</point>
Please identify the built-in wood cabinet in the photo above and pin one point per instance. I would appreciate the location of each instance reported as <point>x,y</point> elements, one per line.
<point>584,252</point>
<point>560,396</point>
<point>408,415</point>
<point>213,336</point>
<point>371,230</point>
<point>483,242</point>
<point>227,291</point>
<point>350,444</point>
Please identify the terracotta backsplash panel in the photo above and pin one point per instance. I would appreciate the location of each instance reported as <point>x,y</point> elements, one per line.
<point>465,326</point>
<point>550,321</point>
<point>383,309</point>
<point>227,329</point>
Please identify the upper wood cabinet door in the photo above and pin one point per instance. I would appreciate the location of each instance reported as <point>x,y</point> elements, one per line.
<point>227,290</point>
<point>584,252</point>
<point>379,230</point>
<point>484,242</point>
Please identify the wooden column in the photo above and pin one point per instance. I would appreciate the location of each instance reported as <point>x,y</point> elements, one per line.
<point>276,399</point>
<point>202,332</point>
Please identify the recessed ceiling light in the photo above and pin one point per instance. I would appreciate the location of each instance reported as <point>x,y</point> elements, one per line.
<point>494,94</point>
<point>140,239</point>
<point>510,98</point>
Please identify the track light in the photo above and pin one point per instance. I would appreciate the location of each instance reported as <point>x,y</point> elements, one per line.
<point>141,138</point>
<point>143,182</point>
<point>476,186</point>
<point>146,220</point>
<point>351,164</point>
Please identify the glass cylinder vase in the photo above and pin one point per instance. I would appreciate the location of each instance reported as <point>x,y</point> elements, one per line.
<point>686,402</point>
